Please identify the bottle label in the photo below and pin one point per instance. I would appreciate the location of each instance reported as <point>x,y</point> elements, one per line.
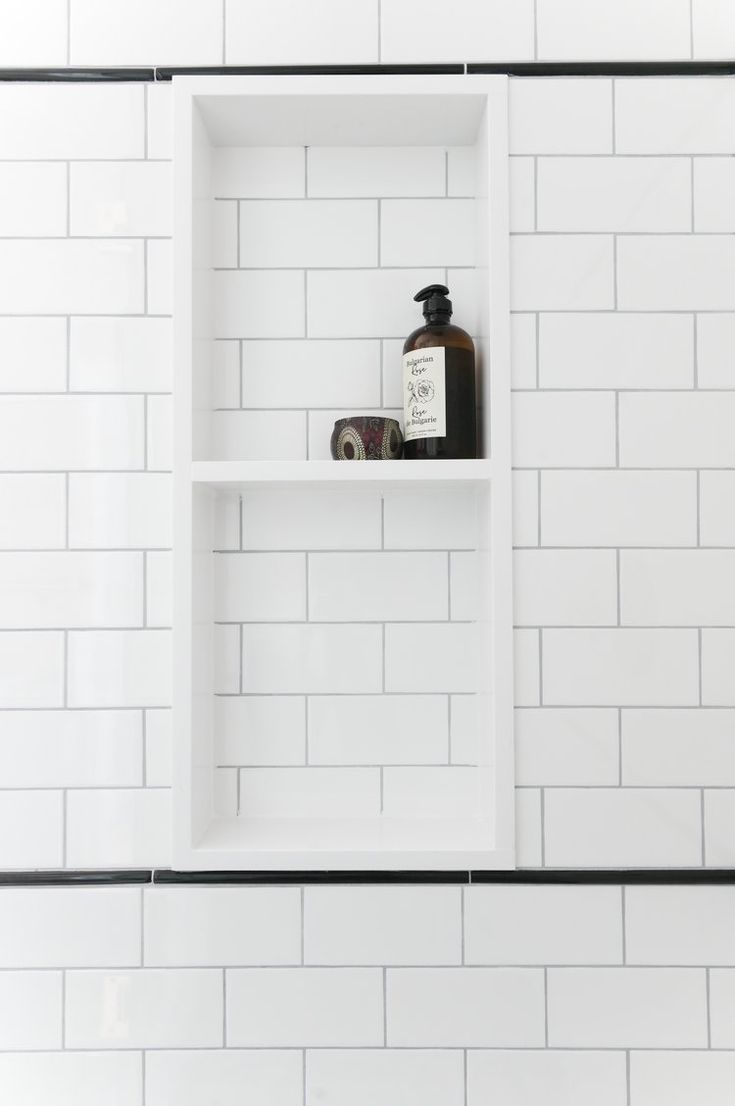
<point>424,393</point>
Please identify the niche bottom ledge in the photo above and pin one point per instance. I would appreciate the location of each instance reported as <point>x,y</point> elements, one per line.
<point>351,844</point>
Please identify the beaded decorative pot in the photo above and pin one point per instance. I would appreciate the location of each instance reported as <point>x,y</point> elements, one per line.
<point>366,438</point>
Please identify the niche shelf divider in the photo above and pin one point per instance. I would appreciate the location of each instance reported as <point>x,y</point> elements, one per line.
<point>408,830</point>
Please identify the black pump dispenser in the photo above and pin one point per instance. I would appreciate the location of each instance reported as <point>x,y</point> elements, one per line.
<point>436,305</point>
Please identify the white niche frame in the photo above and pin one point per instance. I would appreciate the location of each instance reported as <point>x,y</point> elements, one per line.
<point>405,110</point>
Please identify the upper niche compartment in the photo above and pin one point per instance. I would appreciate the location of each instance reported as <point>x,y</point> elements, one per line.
<point>312,221</point>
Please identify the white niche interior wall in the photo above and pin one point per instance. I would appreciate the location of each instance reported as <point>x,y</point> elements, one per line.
<point>342,632</point>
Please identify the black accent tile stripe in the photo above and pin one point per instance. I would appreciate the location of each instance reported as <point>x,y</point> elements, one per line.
<point>606,68</point>
<point>96,877</point>
<point>167,876</point>
<point>78,74</point>
<point>592,876</point>
<point>166,73</point>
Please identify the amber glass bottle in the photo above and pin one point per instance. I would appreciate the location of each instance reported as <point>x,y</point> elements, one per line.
<point>439,384</point>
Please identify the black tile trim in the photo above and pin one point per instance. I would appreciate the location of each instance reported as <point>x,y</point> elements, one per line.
<point>165,73</point>
<point>78,878</point>
<point>592,876</point>
<point>168,876</point>
<point>77,74</point>
<point>606,68</point>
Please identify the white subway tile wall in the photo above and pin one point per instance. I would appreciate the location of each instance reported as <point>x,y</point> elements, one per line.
<point>625,647</point>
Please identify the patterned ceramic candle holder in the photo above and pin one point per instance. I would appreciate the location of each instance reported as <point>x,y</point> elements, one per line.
<point>366,438</point>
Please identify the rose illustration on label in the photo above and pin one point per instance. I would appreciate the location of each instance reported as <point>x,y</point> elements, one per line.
<point>422,391</point>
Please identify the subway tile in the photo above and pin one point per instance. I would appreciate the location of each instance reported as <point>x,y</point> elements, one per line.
<point>272,1077</point>
<point>713,185</point>
<point>680,925</point>
<point>217,926</point>
<point>32,511</point>
<point>677,587</point>
<point>522,185</point>
<point>120,355</point>
<point>364,1077</point>
<point>311,374</point>
<point>259,435</point>
<point>722,1008</point>
<point>304,1007</point>
<point>73,927</point>
<point>561,116</point>
<point>627,1008</point>
<point>65,589</point>
<point>718,655</point>
<point>264,304</point>
<point>543,925</point>
<point>226,660</point>
<point>392,372</point>
<point>464,729</point>
<point>120,510</point>
<point>146,32</point>
<point>225,374</point>
<point>619,508</point>
<point>677,429</point>
<point>525,508</point>
<point>479,30</point>
<point>30,1010</point>
<point>564,587</point>
<point>224,242</point>
<point>669,1078</point>
<point>523,352</point>
<point>226,522</point>
<point>461,170</point>
<point>566,747</point>
<point>33,33</point>
<point>356,171</point>
<point>676,272</point>
<point>372,303</point>
<point>259,587</point>
<point>431,657</point>
<point>717,522</point>
<point>623,828</point>
<point>719,811</point>
<point>159,120</point>
<point>119,829</point>
<point>382,925</point>
<point>158,746</point>
<point>617,350</point>
<point>258,172</point>
<point>71,432</point>
<point>713,34</point>
<point>561,272</point>
<point>427,232</point>
<point>621,194</point>
<point>642,30</point>
<point>558,429</point>
<point>159,433</point>
<point>60,121</point>
<point>32,199</point>
<point>374,587</point>
<point>434,792</point>
<point>159,276</point>
<point>273,32</point>
<point>465,585</point>
<point>715,333</point>
<point>405,729</point>
<point>310,658</point>
<point>120,199</point>
<point>261,729</point>
<point>310,792</point>
<point>31,669</point>
<point>148,1008</point>
<point>119,668</point>
<point>620,667</point>
<point>526,667</point>
<point>159,600</point>
<point>71,275</point>
<point>674,115</point>
<point>465,1007</point>
<point>50,748</point>
<point>436,518</point>
<point>224,792</point>
<point>678,748</point>
<point>308,233</point>
<point>528,828</point>
<point>31,829</point>
<point>71,1078</point>
<point>518,1077</point>
<point>32,355</point>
